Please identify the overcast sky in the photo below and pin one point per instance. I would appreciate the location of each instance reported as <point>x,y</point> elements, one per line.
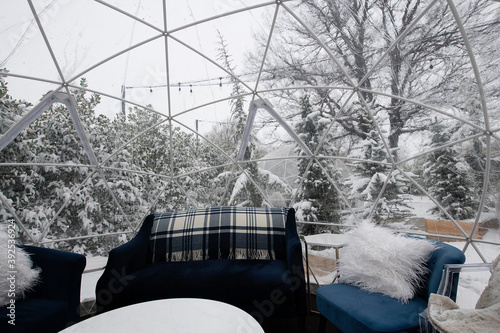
<point>83,33</point>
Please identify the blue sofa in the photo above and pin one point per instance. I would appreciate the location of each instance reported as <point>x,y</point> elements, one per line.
<point>353,310</point>
<point>198,254</point>
<point>54,303</point>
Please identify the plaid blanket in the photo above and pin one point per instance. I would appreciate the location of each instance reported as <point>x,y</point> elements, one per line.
<point>219,233</point>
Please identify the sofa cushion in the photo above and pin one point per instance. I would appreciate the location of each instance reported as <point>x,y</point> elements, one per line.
<point>230,281</point>
<point>357,310</point>
<point>32,313</point>
<point>219,233</point>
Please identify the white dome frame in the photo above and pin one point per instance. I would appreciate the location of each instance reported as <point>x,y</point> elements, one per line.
<point>258,95</point>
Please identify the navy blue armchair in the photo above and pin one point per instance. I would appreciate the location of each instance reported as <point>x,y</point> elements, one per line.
<point>147,267</point>
<point>353,310</point>
<point>54,303</point>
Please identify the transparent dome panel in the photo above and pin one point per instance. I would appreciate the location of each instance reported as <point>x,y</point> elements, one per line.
<point>28,91</point>
<point>344,112</point>
<point>24,51</point>
<point>196,81</point>
<point>140,77</point>
<point>85,34</point>
<point>43,205</point>
<point>151,14</point>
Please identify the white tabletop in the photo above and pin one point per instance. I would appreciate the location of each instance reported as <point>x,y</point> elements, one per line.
<point>171,315</point>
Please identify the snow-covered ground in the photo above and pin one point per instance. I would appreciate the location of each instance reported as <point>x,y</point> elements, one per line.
<point>420,206</point>
<point>93,272</point>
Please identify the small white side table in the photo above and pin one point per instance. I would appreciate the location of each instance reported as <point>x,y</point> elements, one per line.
<point>184,315</point>
<point>328,240</point>
<point>336,241</point>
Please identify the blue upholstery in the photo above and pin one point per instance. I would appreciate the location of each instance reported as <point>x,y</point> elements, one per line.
<point>55,302</point>
<point>353,310</point>
<point>249,281</point>
<point>262,287</point>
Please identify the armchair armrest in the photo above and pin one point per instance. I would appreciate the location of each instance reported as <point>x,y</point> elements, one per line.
<point>133,255</point>
<point>60,277</point>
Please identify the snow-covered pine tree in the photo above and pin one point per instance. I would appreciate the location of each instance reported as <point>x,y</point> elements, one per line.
<point>246,188</point>
<point>474,151</point>
<point>56,200</point>
<point>371,170</point>
<point>11,110</point>
<point>38,191</point>
<point>163,150</point>
<point>447,176</point>
<point>243,191</point>
<point>317,198</point>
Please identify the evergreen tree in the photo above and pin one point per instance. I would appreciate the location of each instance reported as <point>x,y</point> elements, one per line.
<point>447,176</point>
<point>246,188</point>
<point>51,197</point>
<point>473,151</point>
<point>370,172</point>
<point>160,152</point>
<point>11,110</point>
<point>318,200</point>
<point>59,196</point>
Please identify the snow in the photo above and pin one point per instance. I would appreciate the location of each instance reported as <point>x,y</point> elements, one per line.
<point>93,271</point>
<point>421,205</point>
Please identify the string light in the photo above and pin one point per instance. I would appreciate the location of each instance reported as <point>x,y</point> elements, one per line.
<point>210,81</point>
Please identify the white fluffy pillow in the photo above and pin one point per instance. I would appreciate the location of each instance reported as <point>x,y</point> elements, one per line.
<point>378,260</point>
<point>25,276</point>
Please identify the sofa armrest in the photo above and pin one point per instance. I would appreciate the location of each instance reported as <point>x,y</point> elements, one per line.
<point>122,261</point>
<point>295,262</point>
<point>293,245</point>
<point>131,256</point>
<point>444,254</point>
<point>60,277</point>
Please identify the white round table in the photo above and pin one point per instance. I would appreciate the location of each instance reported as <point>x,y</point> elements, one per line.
<point>171,315</point>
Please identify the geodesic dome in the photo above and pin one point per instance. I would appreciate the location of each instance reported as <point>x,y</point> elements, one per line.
<point>113,109</point>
